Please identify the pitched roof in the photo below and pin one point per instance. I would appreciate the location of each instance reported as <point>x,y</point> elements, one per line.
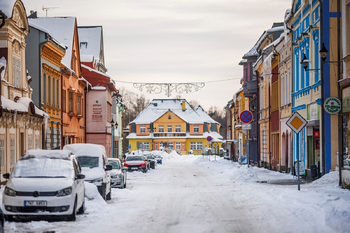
<point>205,115</point>
<point>92,39</point>
<point>62,29</point>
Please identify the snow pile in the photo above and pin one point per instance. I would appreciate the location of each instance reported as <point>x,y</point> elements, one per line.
<point>244,173</point>
<point>174,154</point>
<point>330,178</point>
<point>93,199</point>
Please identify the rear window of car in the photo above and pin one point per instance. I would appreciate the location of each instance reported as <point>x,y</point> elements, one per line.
<point>114,164</point>
<point>88,161</point>
<point>134,158</point>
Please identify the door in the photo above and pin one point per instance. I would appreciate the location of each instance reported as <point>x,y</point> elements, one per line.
<point>310,149</point>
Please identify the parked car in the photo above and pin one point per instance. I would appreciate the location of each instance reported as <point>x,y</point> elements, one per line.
<point>1,221</point>
<point>136,163</point>
<point>152,161</point>
<point>159,159</point>
<point>44,182</point>
<point>118,173</point>
<point>94,163</point>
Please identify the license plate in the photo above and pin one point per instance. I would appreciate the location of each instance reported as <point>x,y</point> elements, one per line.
<point>35,203</point>
<point>134,168</point>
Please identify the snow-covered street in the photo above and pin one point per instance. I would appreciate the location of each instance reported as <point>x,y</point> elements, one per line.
<point>192,194</point>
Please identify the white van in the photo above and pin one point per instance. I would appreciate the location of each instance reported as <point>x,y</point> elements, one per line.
<point>94,164</point>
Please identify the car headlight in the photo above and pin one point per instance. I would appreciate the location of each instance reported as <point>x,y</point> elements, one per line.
<point>117,176</point>
<point>98,181</point>
<point>64,192</point>
<point>10,192</point>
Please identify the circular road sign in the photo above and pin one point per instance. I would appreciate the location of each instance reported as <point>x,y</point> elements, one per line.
<point>209,138</point>
<point>246,116</point>
<point>332,105</point>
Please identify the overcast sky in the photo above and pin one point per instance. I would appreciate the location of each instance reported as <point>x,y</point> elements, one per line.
<point>174,40</point>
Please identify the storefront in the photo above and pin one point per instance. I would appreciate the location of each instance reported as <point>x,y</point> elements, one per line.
<point>313,135</point>
<point>346,137</point>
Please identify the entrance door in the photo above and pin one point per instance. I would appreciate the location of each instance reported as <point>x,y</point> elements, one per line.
<point>310,149</point>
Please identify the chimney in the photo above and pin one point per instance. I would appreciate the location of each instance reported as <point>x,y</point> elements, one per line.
<point>183,106</point>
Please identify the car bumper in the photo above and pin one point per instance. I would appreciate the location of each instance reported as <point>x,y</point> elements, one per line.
<point>55,205</point>
<point>117,182</point>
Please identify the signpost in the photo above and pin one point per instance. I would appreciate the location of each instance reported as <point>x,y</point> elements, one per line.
<point>246,117</point>
<point>297,123</point>
<point>215,145</point>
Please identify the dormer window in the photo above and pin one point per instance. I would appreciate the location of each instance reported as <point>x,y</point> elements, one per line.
<point>83,44</point>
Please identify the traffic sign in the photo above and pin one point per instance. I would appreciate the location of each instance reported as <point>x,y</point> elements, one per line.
<point>246,127</point>
<point>296,122</point>
<point>209,138</point>
<point>332,105</point>
<point>246,116</point>
<point>215,145</point>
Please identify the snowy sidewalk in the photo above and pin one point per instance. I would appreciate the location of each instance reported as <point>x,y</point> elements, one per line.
<point>319,206</point>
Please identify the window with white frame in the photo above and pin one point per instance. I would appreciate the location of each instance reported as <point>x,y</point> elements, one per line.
<point>30,143</point>
<point>196,145</point>
<point>17,72</point>
<point>178,128</point>
<point>196,128</point>
<point>282,90</point>
<point>170,146</point>
<point>161,128</point>
<point>178,146</point>
<point>142,129</point>
<point>170,128</point>
<point>13,151</point>
<point>144,146</point>
<point>2,152</point>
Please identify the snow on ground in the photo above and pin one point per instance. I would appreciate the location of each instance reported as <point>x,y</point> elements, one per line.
<point>192,194</point>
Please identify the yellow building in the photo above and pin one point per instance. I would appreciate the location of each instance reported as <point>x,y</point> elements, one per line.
<point>172,124</point>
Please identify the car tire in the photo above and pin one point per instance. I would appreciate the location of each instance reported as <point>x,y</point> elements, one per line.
<point>109,195</point>
<point>81,209</point>
<point>9,218</point>
<point>124,185</point>
<point>73,216</point>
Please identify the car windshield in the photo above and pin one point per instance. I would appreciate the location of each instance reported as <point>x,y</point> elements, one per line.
<point>88,161</point>
<point>115,164</point>
<point>43,168</point>
<point>134,158</point>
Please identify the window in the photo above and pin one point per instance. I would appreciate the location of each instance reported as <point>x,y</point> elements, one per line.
<point>78,105</point>
<point>64,100</point>
<point>183,146</point>
<point>282,90</point>
<point>53,93</point>
<point>2,152</point>
<point>58,94</point>
<point>37,143</point>
<point>196,145</point>
<point>44,88</point>
<point>13,151</point>
<point>49,92</point>
<point>144,146</point>
<point>17,72</point>
<point>170,146</point>
<point>170,128</point>
<point>30,143</point>
<point>142,129</point>
<point>70,103</point>
<point>178,128</point>
<point>161,128</point>
<point>196,128</point>
<point>178,146</point>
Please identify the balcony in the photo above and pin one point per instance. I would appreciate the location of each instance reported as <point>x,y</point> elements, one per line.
<point>169,134</point>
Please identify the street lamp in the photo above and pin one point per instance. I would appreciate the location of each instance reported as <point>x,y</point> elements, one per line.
<point>151,130</point>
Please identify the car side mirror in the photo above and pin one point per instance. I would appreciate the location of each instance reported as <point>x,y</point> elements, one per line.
<point>108,167</point>
<point>6,175</point>
<point>146,159</point>
<point>80,176</point>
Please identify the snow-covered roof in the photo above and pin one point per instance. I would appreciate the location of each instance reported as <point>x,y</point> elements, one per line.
<point>91,37</point>
<point>6,7</point>
<point>21,105</point>
<point>62,29</point>
<point>98,88</point>
<point>52,154</point>
<point>275,29</point>
<point>254,51</point>
<point>86,58</point>
<point>96,71</point>
<point>158,107</point>
<point>205,115</point>
<point>38,27</point>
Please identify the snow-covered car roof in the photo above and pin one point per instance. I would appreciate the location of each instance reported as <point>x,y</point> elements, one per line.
<point>86,149</point>
<point>52,154</point>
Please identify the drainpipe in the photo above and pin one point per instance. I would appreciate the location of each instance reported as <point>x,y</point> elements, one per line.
<point>62,74</point>
<point>340,126</point>
<point>322,93</point>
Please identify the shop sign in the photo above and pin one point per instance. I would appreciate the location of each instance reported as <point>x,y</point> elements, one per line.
<point>332,105</point>
<point>317,134</point>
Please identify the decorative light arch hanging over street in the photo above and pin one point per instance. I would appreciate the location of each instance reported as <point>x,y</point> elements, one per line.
<point>169,88</point>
